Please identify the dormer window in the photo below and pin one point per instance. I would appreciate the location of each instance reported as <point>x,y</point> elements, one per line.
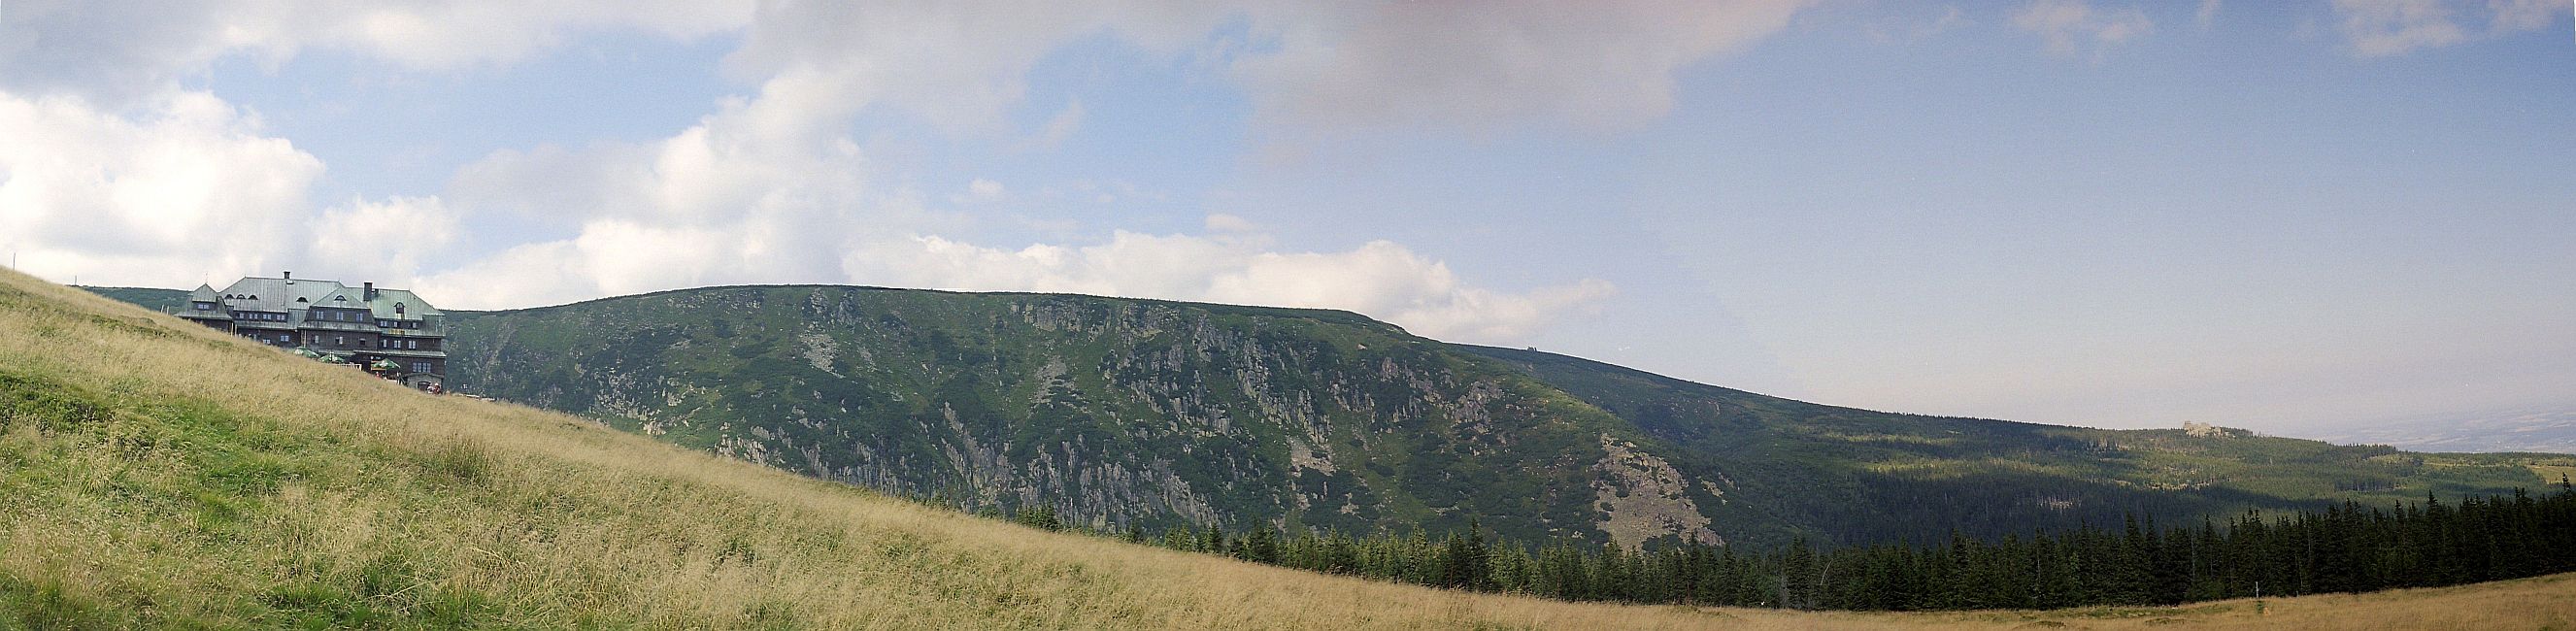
<point>398,308</point>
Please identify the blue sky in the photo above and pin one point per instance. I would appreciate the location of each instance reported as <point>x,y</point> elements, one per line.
<point>2295,217</point>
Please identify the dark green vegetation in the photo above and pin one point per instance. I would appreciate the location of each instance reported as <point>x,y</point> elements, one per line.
<point>1992,478</point>
<point>2344,548</point>
<point>1116,413</point>
<point>161,300</point>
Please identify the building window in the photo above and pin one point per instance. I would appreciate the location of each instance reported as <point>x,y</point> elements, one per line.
<point>420,366</point>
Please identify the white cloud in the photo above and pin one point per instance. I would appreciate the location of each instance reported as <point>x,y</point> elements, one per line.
<point>2069,26</point>
<point>1381,279</point>
<point>2378,28</point>
<point>1488,65</point>
<point>1224,223</point>
<point>1061,126</point>
<point>763,192</point>
<point>982,191</point>
<point>114,52</point>
<point>955,65</point>
<point>459,33</point>
<point>1473,66</point>
<point>185,188</point>
<point>1914,28</point>
<point>2381,28</point>
<point>382,241</point>
<point>752,195</point>
<point>2526,15</point>
<point>960,65</point>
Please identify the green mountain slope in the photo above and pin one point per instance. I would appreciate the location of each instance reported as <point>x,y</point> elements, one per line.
<point>1122,412</point>
<point>152,299</point>
<point>1116,412</point>
<point>1852,473</point>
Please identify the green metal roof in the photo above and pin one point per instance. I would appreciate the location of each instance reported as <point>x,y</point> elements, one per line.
<point>294,297</point>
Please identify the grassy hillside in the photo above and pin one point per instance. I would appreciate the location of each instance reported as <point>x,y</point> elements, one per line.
<point>155,474</point>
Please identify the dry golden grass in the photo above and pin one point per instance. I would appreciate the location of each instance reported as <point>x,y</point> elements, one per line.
<point>2553,473</point>
<point>235,485</point>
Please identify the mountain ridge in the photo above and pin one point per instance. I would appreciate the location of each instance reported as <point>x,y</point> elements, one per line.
<point>1154,413</point>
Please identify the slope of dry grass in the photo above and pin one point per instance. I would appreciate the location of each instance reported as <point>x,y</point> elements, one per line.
<point>156,474</point>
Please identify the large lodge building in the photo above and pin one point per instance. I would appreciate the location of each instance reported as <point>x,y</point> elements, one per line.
<point>363,325</point>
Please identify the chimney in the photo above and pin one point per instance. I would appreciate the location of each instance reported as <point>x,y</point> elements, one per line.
<point>290,277</point>
<point>370,291</point>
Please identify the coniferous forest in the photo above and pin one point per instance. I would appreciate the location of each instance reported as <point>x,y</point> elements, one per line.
<point>2344,548</point>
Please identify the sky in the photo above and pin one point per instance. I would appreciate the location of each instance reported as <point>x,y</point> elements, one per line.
<point>2296,217</point>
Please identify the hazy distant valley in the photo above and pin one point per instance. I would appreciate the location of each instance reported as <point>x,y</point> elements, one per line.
<point>2519,431</point>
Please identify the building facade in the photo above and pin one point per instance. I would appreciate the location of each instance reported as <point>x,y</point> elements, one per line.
<point>362,325</point>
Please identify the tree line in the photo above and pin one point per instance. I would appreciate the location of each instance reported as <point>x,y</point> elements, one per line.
<point>2340,548</point>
